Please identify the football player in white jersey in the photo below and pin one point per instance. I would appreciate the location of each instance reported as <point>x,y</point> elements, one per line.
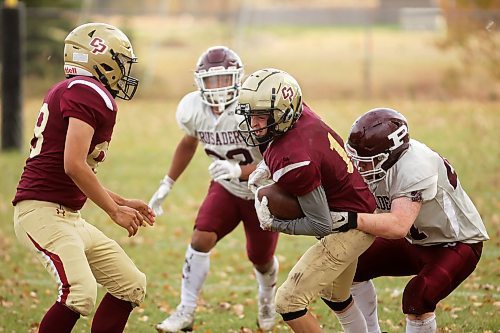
<point>208,116</point>
<point>427,226</point>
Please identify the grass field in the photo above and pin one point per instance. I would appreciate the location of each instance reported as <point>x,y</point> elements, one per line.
<point>463,130</point>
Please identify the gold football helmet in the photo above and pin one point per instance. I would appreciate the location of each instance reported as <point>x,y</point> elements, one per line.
<point>270,92</point>
<point>104,52</point>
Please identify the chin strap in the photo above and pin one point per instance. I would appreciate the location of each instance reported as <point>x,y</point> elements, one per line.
<point>100,76</point>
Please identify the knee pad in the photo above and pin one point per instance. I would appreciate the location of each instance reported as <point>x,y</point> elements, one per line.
<point>288,302</point>
<point>137,292</point>
<point>293,315</point>
<point>418,298</point>
<point>337,306</point>
<point>82,297</point>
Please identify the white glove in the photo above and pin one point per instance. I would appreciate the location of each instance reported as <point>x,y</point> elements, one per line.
<point>259,177</point>
<point>160,195</point>
<point>224,169</point>
<point>263,213</point>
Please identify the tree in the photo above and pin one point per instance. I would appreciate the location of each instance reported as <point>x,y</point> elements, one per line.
<point>472,29</point>
<point>48,23</point>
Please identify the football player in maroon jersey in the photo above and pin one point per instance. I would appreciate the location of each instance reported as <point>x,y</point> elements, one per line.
<point>71,137</point>
<point>306,158</point>
<point>207,116</point>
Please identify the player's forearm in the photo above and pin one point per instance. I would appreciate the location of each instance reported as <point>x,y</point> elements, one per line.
<point>393,225</point>
<point>87,182</point>
<point>246,170</point>
<point>182,157</point>
<point>116,197</point>
<point>385,225</point>
<point>317,221</point>
<point>301,226</point>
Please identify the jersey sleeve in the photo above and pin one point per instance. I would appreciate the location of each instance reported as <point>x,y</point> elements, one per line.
<point>293,169</point>
<point>417,182</point>
<point>86,102</point>
<point>185,116</point>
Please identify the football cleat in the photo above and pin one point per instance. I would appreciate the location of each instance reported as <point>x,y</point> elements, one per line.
<point>181,320</point>
<point>267,311</point>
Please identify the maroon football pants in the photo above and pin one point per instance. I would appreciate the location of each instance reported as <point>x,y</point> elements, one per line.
<point>438,269</point>
<point>221,212</point>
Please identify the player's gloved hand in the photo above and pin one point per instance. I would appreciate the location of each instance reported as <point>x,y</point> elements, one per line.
<point>160,195</point>
<point>263,213</point>
<point>224,169</point>
<point>259,177</point>
<point>344,221</point>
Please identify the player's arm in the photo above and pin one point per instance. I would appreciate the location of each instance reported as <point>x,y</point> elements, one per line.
<point>184,152</point>
<point>78,139</point>
<point>183,155</point>
<point>246,170</point>
<point>140,205</point>
<point>317,221</point>
<point>393,225</point>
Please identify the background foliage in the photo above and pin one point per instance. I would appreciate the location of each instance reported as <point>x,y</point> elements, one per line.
<point>47,23</point>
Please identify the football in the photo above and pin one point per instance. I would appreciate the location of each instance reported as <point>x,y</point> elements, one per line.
<point>281,204</point>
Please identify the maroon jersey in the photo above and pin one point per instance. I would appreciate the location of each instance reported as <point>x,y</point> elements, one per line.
<point>312,154</point>
<point>43,177</point>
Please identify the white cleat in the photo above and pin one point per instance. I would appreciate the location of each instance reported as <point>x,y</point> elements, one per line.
<point>267,311</point>
<point>181,320</point>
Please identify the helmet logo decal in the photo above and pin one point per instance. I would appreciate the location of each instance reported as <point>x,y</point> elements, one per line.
<point>99,45</point>
<point>397,136</point>
<point>287,93</point>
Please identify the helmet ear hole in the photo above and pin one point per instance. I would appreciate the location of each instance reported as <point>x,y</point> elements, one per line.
<point>106,67</point>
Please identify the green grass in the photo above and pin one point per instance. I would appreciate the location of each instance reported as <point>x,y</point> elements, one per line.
<point>143,144</point>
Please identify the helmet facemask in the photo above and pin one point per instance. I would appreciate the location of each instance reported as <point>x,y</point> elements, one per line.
<point>128,84</point>
<point>251,136</point>
<point>370,168</point>
<point>219,86</point>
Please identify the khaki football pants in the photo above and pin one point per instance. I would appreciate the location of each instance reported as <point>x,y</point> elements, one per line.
<point>326,269</point>
<point>77,254</point>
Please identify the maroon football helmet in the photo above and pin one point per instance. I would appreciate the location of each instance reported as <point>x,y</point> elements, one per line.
<point>218,75</point>
<point>376,141</point>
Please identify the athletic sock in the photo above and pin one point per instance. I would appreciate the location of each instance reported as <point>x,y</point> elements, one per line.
<point>267,281</point>
<point>58,318</point>
<point>111,316</point>
<point>427,325</point>
<point>352,320</point>
<point>365,296</point>
<point>194,273</point>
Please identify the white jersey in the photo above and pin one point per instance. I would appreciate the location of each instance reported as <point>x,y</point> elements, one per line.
<point>447,214</point>
<point>219,136</point>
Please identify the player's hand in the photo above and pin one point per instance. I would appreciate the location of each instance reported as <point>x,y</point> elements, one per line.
<point>259,177</point>
<point>224,169</point>
<point>157,199</point>
<point>344,221</point>
<point>263,213</point>
<point>146,212</point>
<point>128,218</point>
